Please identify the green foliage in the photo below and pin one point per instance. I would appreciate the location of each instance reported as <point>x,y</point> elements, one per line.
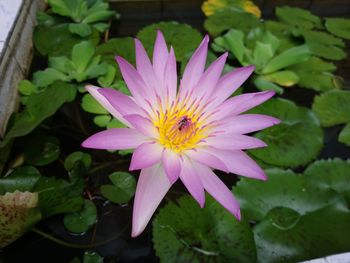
<point>81,221</point>
<point>38,109</point>
<point>223,20</point>
<point>298,17</point>
<point>182,37</point>
<point>339,27</point>
<point>75,157</point>
<point>82,65</point>
<point>295,141</point>
<point>183,232</point>
<point>18,213</point>
<point>122,190</point>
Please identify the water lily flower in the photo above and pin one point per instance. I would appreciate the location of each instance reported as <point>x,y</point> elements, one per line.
<point>184,132</point>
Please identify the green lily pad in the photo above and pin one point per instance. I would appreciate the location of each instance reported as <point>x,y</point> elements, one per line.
<point>331,173</point>
<point>332,107</point>
<point>339,27</point>
<point>344,135</point>
<point>182,37</point>
<point>81,221</point>
<point>74,157</point>
<point>22,179</point>
<point>39,107</point>
<point>184,232</point>
<point>298,17</point>
<point>18,213</point>
<point>295,141</point>
<point>42,150</point>
<point>228,19</point>
<point>123,188</point>
<point>282,189</point>
<point>317,234</point>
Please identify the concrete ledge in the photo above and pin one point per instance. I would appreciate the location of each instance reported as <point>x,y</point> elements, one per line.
<point>16,51</point>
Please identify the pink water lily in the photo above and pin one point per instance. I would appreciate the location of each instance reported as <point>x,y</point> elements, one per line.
<point>183,132</point>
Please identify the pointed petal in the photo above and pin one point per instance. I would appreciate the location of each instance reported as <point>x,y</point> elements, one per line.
<point>234,142</point>
<point>115,139</point>
<point>191,180</point>
<point>204,157</point>
<point>247,123</point>
<point>121,102</point>
<point>160,56</point>
<point>145,68</point>
<point>142,124</point>
<point>170,76</point>
<point>239,163</point>
<point>146,155</point>
<point>152,186</point>
<point>172,165</point>
<point>94,91</point>
<point>134,82</point>
<point>217,189</point>
<point>230,82</point>
<point>195,67</point>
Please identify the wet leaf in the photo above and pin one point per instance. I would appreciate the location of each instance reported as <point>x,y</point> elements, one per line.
<point>81,221</point>
<point>332,107</point>
<point>296,141</point>
<point>184,232</point>
<point>18,213</point>
<point>282,189</point>
<point>182,37</point>
<point>123,188</point>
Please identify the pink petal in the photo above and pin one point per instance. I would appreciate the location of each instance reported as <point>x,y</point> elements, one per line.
<point>211,76</point>
<point>170,76</point>
<point>217,189</point>
<point>145,68</point>
<point>151,188</point>
<point>160,56</point>
<point>121,102</point>
<point>202,156</point>
<point>247,123</point>
<point>230,82</point>
<point>234,142</point>
<point>94,91</point>
<point>146,155</point>
<point>239,163</point>
<point>115,139</point>
<point>195,67</point>
<point>134,82</point>
<point>142,124</point>
<point>171,163</point>
<point>241,103</point>
<point>191,180</point>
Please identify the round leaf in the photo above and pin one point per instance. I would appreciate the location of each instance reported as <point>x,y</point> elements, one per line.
<point>332,107</point>
<point>123,188</point>
<point>81,221</point>
<point>184,232</point>
<point>282,189</point>
<point>294,142</point>
<point>70,161</point>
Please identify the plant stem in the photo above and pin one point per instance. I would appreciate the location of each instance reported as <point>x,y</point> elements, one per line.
<point>79,246</point>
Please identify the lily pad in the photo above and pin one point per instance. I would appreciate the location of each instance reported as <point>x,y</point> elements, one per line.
<point>282,189</point>
<point>332,107</point>
<point>18,213</point>
<point>319,233</point>
<point>226,19</point>
<point>123,188</point>
<point>81,221</point>
<point>339,27</point>
<point>182,37</point>
<point>184,232</point>
<point>296,141</point>
<point>74,157</point>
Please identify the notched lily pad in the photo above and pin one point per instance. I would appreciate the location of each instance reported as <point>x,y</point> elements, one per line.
<point>123,188</point>
<point>18,213</point>
<point>184,232</point>
<point>81,221</point>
